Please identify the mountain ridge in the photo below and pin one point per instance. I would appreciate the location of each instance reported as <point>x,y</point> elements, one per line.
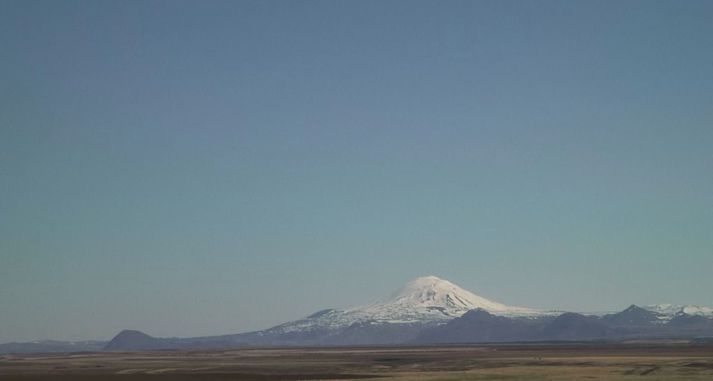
<point>425,310</point>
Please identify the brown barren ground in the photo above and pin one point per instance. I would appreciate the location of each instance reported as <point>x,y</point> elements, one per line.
<point>642,361</point>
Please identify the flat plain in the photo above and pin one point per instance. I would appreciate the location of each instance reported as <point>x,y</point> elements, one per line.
<point>633,361</point>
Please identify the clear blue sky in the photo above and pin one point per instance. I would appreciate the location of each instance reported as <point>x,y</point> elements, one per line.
<point>193,168</point>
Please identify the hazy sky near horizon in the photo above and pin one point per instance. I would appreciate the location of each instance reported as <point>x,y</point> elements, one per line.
<point>194,168</point>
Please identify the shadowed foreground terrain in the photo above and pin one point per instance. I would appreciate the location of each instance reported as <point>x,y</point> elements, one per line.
<point>641,361</point>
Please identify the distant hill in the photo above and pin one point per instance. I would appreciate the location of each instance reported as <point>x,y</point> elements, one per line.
<point>480,326</point>
<point>52,346</point>
<point>133,340</point>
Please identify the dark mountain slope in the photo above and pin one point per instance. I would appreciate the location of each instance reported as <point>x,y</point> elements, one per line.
<point>479,326</point>
<point>573,326</point>
<point>634,316</point>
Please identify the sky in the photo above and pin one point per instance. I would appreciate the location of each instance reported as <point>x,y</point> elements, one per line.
<point>205,167</point>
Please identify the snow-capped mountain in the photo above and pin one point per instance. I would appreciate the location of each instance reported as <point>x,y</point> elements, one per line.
<point>424,300</point>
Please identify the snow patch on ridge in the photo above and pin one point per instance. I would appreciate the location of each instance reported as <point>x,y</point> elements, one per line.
<point>669,311</point>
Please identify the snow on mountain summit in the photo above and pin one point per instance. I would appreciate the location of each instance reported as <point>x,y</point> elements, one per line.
<point>431,291</point>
